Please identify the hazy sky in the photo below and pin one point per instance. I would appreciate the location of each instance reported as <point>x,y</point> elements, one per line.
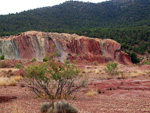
<point>13,6</point>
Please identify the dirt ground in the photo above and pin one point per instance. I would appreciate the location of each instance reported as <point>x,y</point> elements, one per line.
<point>129,92</point>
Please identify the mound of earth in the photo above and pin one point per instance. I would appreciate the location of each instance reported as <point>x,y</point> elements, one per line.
<point>82,49</point>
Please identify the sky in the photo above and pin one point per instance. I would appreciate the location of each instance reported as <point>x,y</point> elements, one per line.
<point>13,6</point>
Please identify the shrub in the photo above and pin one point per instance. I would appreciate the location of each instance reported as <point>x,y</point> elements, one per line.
<point>3,64</point>
<point>111,68</point>
<point>58,61</point>
<point>133,56</point>
<point>64,107</point>
<point>53,79</point>
<point>2,57</point>
<point>34,59</point>
<point>59,107</point>
<point>95,63</point>
<point>19,65</point>
<point>147,62</point>
<point>45,106</point>
<point>53,110</point>
<point>75,61</point>
<point>45,59</point>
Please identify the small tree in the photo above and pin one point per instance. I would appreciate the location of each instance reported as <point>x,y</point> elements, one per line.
<point>53,79</point>
<point>111,68</point>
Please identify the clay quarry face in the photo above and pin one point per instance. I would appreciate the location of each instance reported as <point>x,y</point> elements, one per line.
<point>83,49</point>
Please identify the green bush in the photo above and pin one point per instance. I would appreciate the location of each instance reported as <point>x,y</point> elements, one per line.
<point>34,59</point>
<point>133,56</point>
<point>45,59</point>
<point>58,61</point>
<point>58,107</point>
<point>95,63</point>
<point>53,79</point>
<point>19,65</point>
<point>111,68</point>
<point>2,57</point>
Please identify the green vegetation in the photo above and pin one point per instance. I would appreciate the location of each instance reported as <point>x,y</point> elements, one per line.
<point>132,39</point>
<point>111,68</point>
<point>74,15</point>
<point>147,62</point>
<point>34,59</point>
<point>58,107</point>
<point>133,56</point>
<point>45,59</point>
<point>95,63</point>
<point>2,57</point>
<point>45,106</point>
<point>54,80</point>
<point>19,65</point>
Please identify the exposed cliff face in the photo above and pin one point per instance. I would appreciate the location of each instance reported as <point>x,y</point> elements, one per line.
<point>34,44</point>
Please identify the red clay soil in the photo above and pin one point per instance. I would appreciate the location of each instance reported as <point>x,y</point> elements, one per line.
<point>128,87</point>
<point>131,95</point>
<point>6,98</point>
<point>120,96</point>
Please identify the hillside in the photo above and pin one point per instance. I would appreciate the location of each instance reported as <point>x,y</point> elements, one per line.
<point>126,21</point>
<point>78,15</point>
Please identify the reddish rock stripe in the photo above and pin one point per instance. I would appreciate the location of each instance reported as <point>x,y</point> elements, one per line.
<point>34,44</point>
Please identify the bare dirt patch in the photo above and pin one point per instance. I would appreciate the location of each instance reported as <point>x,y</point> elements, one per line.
<point>6,98</point>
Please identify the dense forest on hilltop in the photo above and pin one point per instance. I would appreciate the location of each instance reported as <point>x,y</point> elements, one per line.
<point>126,21</point>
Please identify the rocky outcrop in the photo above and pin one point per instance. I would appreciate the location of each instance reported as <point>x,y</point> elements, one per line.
<point>34,44</point>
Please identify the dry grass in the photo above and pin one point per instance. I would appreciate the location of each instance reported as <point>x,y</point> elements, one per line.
<point>91,93</point>
<point>103,77</point>
<point>133,74</point>
<point>17,109</point>
<point>136,73</point>
<point>95,71</point>
<point>98,72</point>
<point>7,69</point>
<point>14,108</point>
<point>17,78</point>
<point>9,81</point>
